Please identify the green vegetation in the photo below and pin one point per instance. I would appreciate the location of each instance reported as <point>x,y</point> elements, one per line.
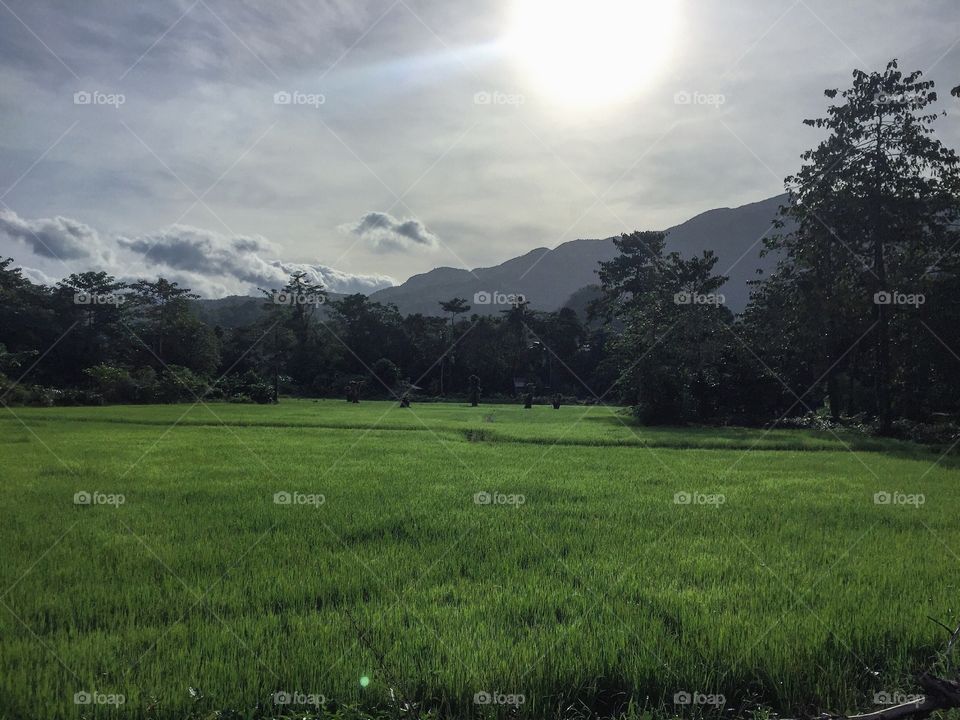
<point>199,592</point>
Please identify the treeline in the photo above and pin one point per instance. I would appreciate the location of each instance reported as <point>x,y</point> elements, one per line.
<point>93,339</point>
<point>860,322</point>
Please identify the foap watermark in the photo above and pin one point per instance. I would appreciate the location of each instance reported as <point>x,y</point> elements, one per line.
<point>907,98</point>
<point>498,698</point>
<point>895,297</point>
<point>896,698</point>
<point>96,497</point>
<point>296,697</point>
<point>295,97</point>
<point>83,297</point>
<point>495,97</point>
<point>693,97</point>
<point>293,298</point>
<point>698,498</point>
<point>699,698</point>
<point>498,498</point>
<point>899,498</point>
<point>495,297</point>
<point>298,498</point>
<point>693,298</point>
<point>95,97</point>
<point>92,697</point>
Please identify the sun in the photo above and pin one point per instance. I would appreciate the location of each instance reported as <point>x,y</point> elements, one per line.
<point>591,52</point>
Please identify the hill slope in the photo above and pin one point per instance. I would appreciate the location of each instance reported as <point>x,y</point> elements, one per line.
<point>551,279</point>
<point>547,278</point>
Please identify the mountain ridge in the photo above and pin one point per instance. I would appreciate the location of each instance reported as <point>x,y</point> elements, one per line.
<point>549,277</point>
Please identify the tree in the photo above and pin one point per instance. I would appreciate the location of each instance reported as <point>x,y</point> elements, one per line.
<point>455,306</point>
<point>560,334</point>
<point>366,331</point>
<point>96,301</point>
<point>387,376</point>
<point>303,298</point>
<point>651,295</point>
<point>162,304</point>
<point>291,323</point>
<point>875,208</point>
<point>27,320</point>
<point>174,335</point>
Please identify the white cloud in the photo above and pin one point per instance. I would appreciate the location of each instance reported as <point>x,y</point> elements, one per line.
<point>337,280</point>
<point>38,277</point>
<point>211,263</point>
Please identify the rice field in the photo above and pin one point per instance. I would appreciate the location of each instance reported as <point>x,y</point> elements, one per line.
<point>318,557</point>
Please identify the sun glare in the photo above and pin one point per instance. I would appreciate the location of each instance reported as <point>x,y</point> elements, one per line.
<point>591,52</point>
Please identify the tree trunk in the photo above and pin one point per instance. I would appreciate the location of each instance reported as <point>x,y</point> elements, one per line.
<point>880,271</point>
<point>276,367</point>
<point>834,394</point>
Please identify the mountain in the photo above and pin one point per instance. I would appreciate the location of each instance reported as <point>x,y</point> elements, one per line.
<point>551,279</point>
<point>548,278</point>
<point>736,236</point>
<point>228,312</point>
<point>238,310</point>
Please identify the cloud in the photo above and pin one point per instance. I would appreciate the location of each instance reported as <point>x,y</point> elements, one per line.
<point>38,277</point>
<point>58,238</point>
<point>182,247</point>
<point>240,257</point>
<point>386,233</point>
<point>211,263</point>
<point>336,280</point>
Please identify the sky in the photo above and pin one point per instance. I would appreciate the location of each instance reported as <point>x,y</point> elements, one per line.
<point>227,143</point>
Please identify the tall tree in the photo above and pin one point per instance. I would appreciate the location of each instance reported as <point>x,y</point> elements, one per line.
<point>367,330</point>
<point>875,206</point>
<point>174,335</point>
<point>291,323</point>
<point>454,306</point>
<point>97,303</point>
<point>649,296</point>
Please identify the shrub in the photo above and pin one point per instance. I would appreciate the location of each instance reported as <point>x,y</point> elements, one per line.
<point>113,383</point>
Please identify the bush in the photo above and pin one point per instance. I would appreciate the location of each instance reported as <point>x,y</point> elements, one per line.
<point>114,384</point>
<point>662,401</point>
<point>179,383</point>
<point>246,388</point>
<point>943,433</point>
<point>387,373</point>
<point>144,385</point>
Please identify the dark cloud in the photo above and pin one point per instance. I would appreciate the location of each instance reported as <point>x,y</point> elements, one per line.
<point>385,233</point>
<point>58,238</point>
<point>182,247</point>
